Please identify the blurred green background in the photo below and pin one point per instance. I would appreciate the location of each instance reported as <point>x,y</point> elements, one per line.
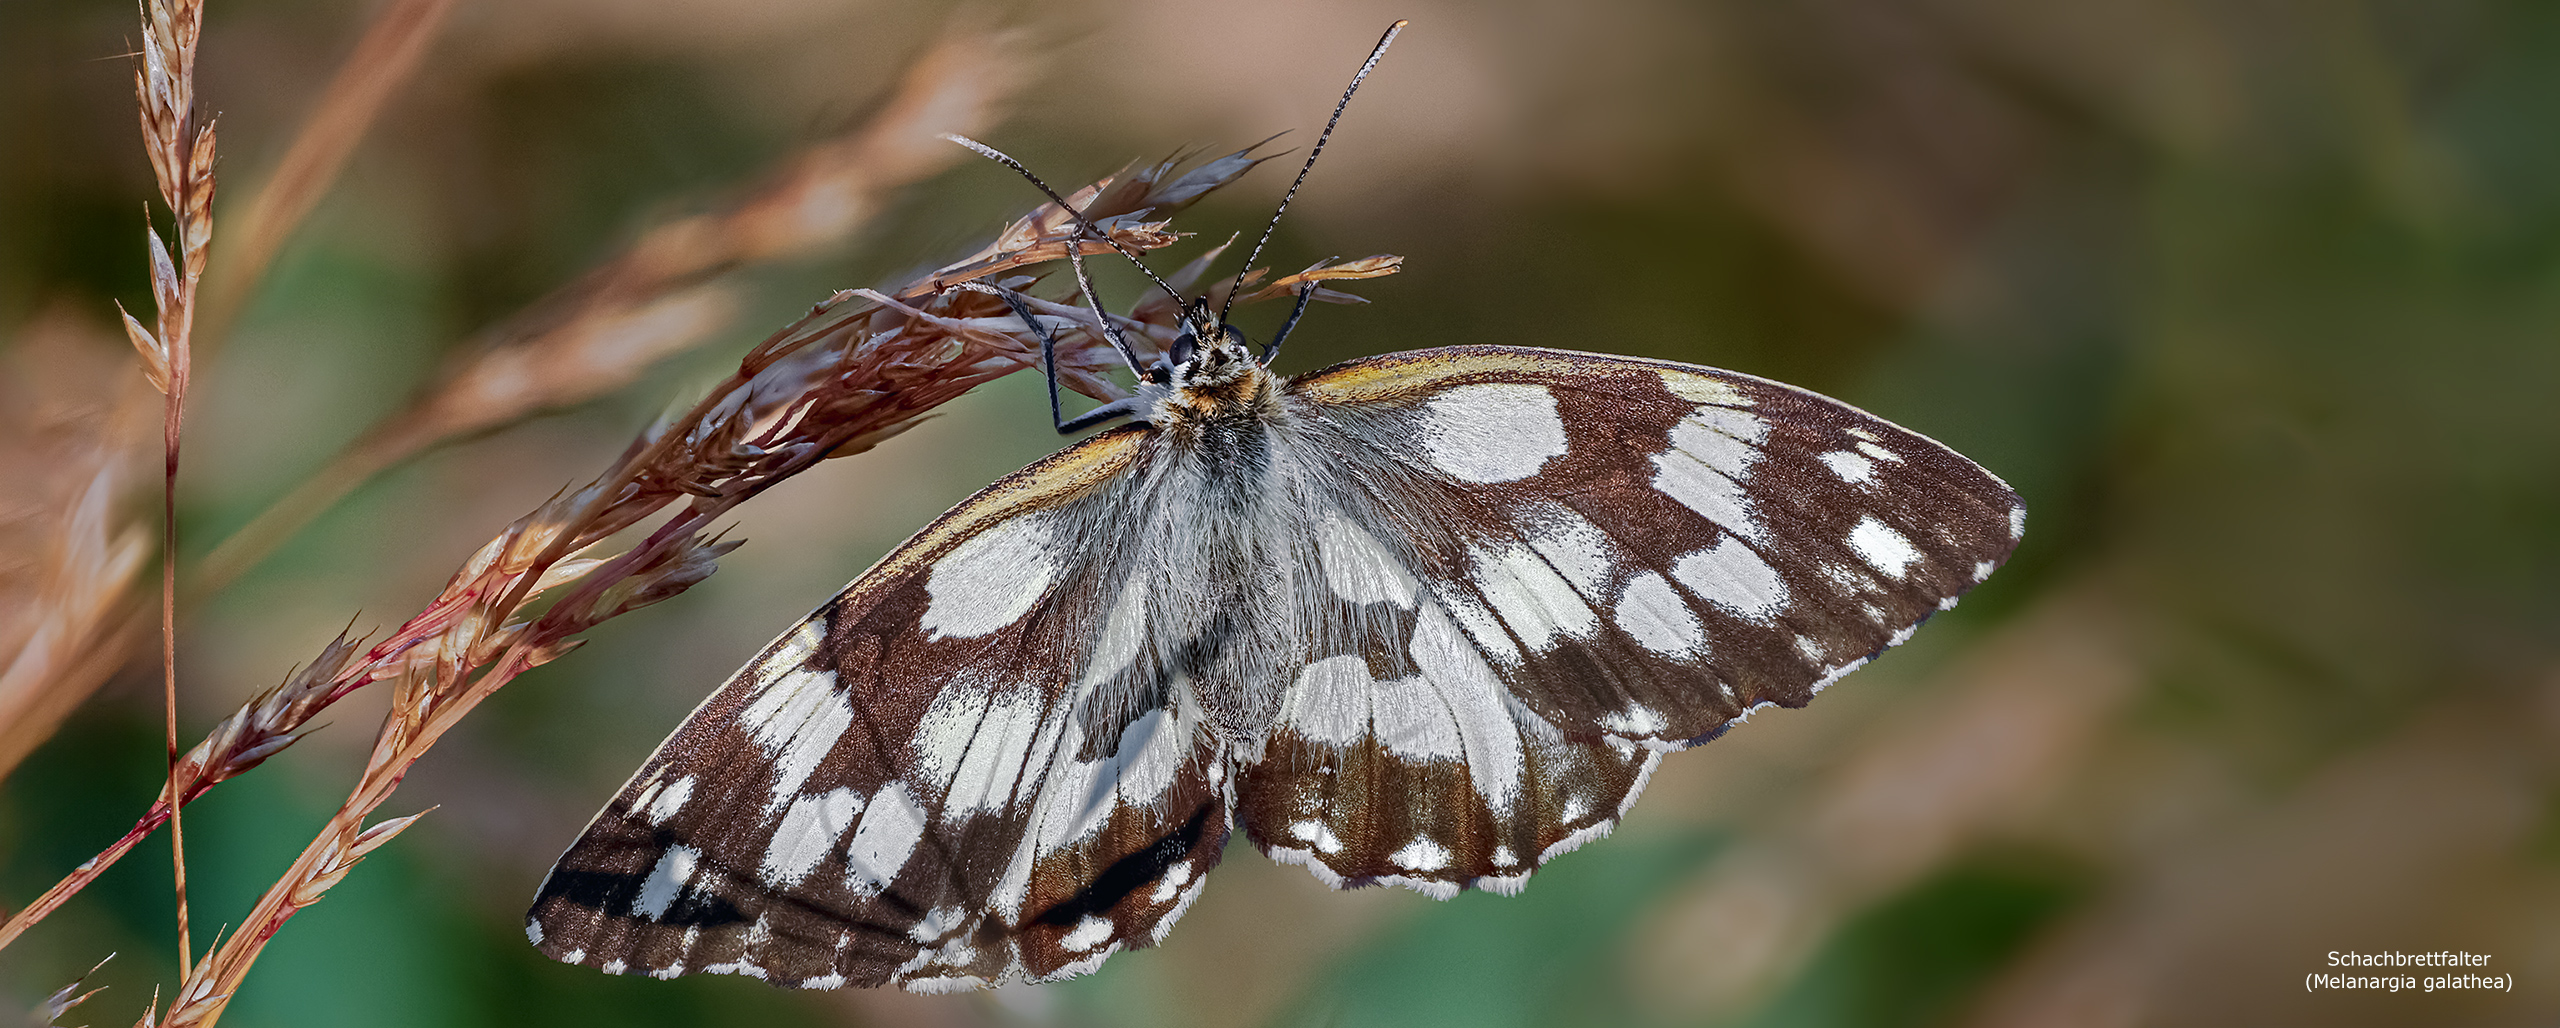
<point>2256,303</point>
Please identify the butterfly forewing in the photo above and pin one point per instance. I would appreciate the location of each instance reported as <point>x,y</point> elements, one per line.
<point>1601,558</point>
<point>956,772</point>
<point>1584,502</point>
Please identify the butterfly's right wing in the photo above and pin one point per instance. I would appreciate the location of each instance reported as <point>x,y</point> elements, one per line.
<point>1542,569</point>
<point>944,777</point>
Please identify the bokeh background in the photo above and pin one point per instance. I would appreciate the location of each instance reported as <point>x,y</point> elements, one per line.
<point>2255,301</point>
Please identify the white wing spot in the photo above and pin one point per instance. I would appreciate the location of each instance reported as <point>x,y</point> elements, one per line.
<point>1882,547</point>
<point>1314,833</point>
<point>1413,721</point>
<point>1122,634</point>
<point>1359,569</point>
<point>890,828</point>
<point>666,881</point>
<point>1732,575</point>
<point>1534,601</point>
<point>937,923</point>
<point>1484,628</point>
<point>1088,933</point>
<point>1575,547</point>
<point>796,720</point>
<point>1876,450</point>
<point>2017,522</point>
<point>1151,752</point>
<point>1697,388</point>
<point>987,775</point>
<point>1850,467</point>
<point>1503,857</point>
<point>1492,432</point>
<point>1171,884</point>
<point>1722,438</point>
<point>1637,719</point>
<point>942,738</point>
<point>991,580</point>
<point>1575,805</point>
<point>1983,569</point>
<point>1421,855</point>
<point>1703,489</point>
<point>1488,736</point>
<point>808,831</point>
<point>1653,615</point>
<point>1330,701</point>
<point>669,800</point>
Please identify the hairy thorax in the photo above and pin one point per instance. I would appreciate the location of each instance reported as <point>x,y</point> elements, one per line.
<point>1216,539</point>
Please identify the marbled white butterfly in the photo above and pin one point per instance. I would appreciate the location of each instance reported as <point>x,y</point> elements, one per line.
<point>1427,619</point>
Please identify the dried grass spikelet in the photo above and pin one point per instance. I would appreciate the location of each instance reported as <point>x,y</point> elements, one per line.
<point>181,154</point>
<point>858,368</point>
<point>75,436</point>
<point>68,997</point>
<point>662,296</point>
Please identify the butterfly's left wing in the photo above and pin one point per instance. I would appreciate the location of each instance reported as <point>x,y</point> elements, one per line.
<point>957,772</point>
<point>1543,569</point>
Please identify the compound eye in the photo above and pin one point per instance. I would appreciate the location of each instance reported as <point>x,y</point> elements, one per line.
<point>1184,346</point>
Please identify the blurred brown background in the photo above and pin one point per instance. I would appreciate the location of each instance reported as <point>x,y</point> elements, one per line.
<point>2255,302</point>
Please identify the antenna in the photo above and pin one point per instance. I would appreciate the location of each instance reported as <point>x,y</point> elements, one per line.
<point>1374,54</point>
<point>999,156</point>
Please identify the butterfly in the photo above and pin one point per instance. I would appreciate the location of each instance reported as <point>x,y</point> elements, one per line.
<point>1427,619</point>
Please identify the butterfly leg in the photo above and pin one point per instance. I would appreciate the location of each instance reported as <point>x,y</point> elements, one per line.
<point>1125,407</point>
<point>1048,345</point>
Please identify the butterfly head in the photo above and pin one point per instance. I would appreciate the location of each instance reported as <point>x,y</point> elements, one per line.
<point>1208,371</point>
<point>1201,330</point>
<point>1207,353</point>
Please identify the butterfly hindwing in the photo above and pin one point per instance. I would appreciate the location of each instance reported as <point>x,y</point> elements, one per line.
<point>1602,558</point>
<point>944,777</point>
